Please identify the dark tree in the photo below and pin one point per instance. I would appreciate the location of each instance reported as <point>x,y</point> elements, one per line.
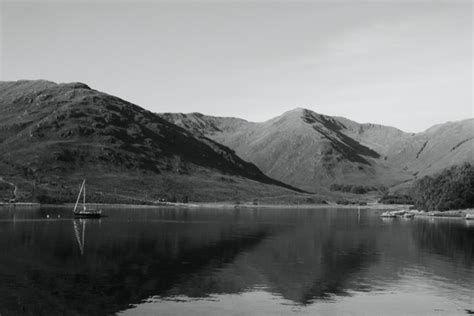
<point>451,189</point>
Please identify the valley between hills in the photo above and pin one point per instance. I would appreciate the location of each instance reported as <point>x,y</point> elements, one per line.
<point>54,135</point>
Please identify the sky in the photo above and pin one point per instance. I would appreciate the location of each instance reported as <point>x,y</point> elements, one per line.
<point>407,64</point>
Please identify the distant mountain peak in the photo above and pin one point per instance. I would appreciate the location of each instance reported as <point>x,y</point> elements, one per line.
<point>294,117</point>
<point>302,117</point>
<point>299,111</point>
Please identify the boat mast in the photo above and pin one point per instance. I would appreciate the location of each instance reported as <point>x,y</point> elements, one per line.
<point>79,195</point>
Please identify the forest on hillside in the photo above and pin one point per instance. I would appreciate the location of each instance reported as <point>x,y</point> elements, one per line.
<point>450,190</point>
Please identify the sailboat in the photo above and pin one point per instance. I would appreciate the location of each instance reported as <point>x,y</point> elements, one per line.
<point>84,212</point>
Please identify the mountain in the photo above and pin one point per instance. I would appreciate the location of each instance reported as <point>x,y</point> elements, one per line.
<point>53,135</point>
<point>312,151</point>
<point>434,150</point>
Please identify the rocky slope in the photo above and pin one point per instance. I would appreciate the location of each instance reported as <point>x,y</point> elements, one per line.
<point>52,135</point>
<point>312,151</point>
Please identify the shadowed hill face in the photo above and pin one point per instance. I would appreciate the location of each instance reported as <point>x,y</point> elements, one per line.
<point>48,128</point>
<point>311,150</point>
<point>330,128</point>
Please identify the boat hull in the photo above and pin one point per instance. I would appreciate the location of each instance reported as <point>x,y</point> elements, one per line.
<point>94,214</point>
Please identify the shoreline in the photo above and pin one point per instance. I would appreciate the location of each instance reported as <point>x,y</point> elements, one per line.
<point>374,206</point>
<point>20,204</point>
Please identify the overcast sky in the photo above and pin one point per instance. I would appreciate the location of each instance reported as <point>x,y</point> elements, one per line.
<point>401,63</point>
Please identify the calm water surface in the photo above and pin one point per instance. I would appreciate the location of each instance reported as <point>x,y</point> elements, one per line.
<point>226,262</point>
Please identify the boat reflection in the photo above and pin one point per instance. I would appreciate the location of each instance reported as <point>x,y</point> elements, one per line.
<point>80,233</point>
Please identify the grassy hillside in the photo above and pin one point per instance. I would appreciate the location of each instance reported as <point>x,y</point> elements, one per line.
<point>53,135</point>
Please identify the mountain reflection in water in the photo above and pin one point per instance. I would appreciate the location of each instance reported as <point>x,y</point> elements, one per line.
<point>50,266</point>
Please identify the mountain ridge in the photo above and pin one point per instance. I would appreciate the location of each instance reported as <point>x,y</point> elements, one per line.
<point>51,133</point>
<point>341,150</point>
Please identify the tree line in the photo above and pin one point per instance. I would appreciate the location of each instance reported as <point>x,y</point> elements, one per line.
<point>450,190</point>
